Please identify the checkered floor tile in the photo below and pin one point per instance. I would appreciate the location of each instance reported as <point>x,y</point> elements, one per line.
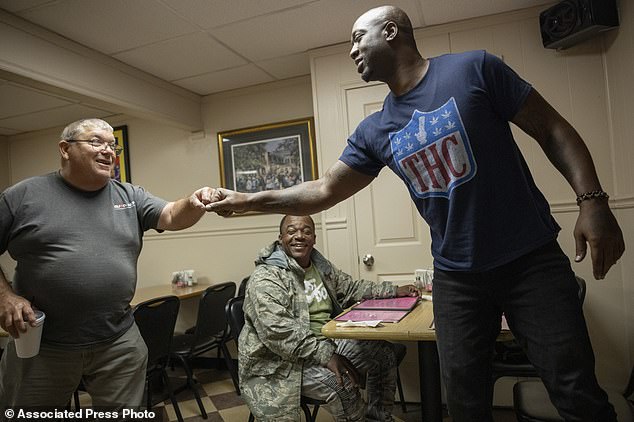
<point>222,404</point>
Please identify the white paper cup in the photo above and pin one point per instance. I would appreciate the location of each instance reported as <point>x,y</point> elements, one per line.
<point>28,344</point>
<point>418,279</point>
<point>424,279</point>
<point>428,279</point>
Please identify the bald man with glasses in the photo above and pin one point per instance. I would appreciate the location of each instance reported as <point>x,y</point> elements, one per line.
<point>76,235</point>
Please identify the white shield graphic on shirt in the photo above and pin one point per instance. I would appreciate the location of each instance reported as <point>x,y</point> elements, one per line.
<point>433,152</point>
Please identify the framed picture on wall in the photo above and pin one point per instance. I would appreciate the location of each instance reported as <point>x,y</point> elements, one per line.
<point>268,157</point>
<point>122,163</point>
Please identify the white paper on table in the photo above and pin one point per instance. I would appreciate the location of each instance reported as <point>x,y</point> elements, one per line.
<point>372,324</point>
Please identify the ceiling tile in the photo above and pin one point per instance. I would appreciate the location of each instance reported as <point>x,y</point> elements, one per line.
<point>300,29</point>
<point>288,66</point>
<point>209,14</point>
<point>25,100</point>
<point>225,80</point>
<point>500,6</point>
<point>52,117</point>
<point>178,58</point>
<point>110,26</point>
<point>438,12</point>
<point>19,5</point>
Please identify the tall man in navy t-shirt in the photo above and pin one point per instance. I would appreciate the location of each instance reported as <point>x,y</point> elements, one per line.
<point>444,130</point>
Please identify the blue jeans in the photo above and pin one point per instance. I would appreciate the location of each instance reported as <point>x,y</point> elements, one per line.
<point>539,295</point>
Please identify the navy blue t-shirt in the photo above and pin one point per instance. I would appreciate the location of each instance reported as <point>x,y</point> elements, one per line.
<point>450,141</point>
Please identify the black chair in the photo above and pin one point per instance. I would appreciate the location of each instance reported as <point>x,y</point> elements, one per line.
<point>156,319</point>
<point>209,333</point>
<point>511,361</point>
<point>531,402</point>
<point>243,286</point>
<point>235,316</point>
<point>233,370</point>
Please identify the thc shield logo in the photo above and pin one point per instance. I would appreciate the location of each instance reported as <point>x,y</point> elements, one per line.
<point>433,152</point>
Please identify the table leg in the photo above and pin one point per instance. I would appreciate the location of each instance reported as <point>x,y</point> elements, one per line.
<point>429,376</point>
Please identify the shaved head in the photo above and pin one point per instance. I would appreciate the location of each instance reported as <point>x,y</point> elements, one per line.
<point>383,14</point>
<point>384,49</point>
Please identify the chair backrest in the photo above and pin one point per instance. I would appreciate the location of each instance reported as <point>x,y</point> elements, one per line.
<point>211,321</point>
<point>156,319</point>
<point>243,286</point>
<point>235,315</point>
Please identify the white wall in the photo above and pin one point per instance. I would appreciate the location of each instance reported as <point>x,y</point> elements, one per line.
<point>4,162</point>
<point>5,171</point>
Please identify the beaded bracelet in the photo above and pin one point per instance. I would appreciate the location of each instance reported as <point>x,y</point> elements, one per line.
<point>591,195</point>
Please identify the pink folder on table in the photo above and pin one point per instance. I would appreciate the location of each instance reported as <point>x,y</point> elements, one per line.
<point>372,315</point>
<point>392,304</point>
<point>386,310</point>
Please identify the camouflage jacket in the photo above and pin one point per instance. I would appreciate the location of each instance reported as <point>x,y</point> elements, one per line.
<point>276,340</point>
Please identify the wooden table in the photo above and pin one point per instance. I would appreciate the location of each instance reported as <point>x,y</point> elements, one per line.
<point>151,292</point>
<point>414,327</point>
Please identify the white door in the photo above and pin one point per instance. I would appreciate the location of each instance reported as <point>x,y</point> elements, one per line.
<point>392,238</point>
<point>389,230</point>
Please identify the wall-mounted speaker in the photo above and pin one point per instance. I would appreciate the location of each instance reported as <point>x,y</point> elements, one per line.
<point>571,21</point>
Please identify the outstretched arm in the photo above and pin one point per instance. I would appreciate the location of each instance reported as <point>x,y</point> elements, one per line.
<point>185,212</point>
<point>596,225</point>
<point>338,183</point>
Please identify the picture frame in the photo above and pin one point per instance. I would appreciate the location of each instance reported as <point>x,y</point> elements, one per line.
<point>268,157</point>
<point>121,170</point>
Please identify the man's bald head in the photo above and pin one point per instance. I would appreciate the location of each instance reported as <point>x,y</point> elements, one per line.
<point>383,14</point>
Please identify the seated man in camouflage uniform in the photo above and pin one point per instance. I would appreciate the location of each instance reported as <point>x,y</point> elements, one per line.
<point>292,293</point>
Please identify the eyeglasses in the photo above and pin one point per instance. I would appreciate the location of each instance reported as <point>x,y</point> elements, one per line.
<point>99,145</point>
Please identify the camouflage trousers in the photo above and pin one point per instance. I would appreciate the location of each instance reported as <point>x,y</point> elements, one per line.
<point>376,362</point>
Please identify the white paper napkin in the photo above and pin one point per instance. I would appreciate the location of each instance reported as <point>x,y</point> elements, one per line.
<point>359,323</point>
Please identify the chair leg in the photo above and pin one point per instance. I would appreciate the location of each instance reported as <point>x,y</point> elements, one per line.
<point>148,394</point>
<point>191,382</point>
<point>177,409</point>
<point>399,386</point>
<point>218,351</point>
<point>231,367</point>
<point>76,397</point>
<point>309,417</point>
<point>315,410</point>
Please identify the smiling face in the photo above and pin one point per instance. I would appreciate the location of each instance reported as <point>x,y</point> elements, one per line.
<point>370,49</point>
<point>85,166</point>
<point>297,237</point>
